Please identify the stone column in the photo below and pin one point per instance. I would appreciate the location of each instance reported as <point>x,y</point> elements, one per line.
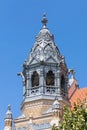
<point>27,83</point>
<point>41,80</point>
<point>59,81</point>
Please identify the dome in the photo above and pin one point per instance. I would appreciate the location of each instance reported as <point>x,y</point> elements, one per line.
<point>44,49</point>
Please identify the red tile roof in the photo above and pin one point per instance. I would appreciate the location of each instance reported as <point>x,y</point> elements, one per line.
<point>80,93</point>
<point>75,93</point>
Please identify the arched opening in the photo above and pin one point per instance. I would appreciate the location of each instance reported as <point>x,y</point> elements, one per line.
<point>62,82</point>
<point>35,79</point>
<point>63,85</point>
<point>50,78</point>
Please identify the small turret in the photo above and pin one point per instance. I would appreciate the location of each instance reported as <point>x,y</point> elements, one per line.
<point>56,109</point>
<point>72,76</point>
<point>8,119</point>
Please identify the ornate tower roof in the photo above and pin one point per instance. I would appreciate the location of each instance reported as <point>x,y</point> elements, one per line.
<point>44,72</point>
<point>44,49</point>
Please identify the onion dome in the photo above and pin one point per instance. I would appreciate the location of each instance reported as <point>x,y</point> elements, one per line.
<point>44,49</point>
<point>8,113</point>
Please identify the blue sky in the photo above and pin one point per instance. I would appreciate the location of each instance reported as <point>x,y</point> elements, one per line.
<point>20,22</point>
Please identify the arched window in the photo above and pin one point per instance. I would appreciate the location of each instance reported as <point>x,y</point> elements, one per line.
<point>62,82</point>
<point>50,78</point>
<point>35,79</point>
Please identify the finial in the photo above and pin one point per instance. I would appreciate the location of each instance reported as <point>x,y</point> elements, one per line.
<point>72,72</point>
<point>44,20</point>
<point>9,107</point>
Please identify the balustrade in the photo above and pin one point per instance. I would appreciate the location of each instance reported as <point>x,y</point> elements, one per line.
<point>49,90</point>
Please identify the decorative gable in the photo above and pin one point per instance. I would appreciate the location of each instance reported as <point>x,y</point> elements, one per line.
<point>51,60</point>
<point>34,61</point>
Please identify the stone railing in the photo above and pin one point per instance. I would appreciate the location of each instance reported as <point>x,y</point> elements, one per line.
<point>34,90</point>
<point>48,90</point>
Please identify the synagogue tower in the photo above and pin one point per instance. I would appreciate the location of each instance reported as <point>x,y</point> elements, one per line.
<point>45,84</point>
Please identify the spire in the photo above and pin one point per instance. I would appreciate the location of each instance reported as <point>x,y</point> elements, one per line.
<point>8,113</point>
<point>8,119</point>
<point>44,20</point>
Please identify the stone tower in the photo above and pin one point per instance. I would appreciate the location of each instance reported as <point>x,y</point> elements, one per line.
<point>8,119</point>
<point>45,84</point>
